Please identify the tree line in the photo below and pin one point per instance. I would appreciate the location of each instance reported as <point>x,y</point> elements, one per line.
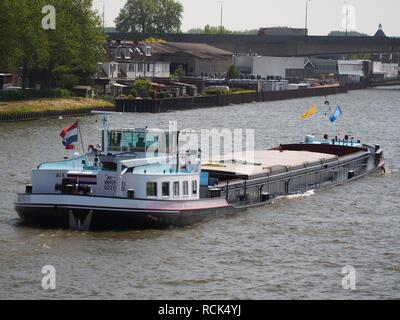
<point>61,57</point>
<point>150,17</point>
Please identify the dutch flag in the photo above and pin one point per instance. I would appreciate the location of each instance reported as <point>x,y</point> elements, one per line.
<point>70,135</point>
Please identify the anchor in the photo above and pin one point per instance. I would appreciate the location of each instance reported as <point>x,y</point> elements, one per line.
<point>80,223</point>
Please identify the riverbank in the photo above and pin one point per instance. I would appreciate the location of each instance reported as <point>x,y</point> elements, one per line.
<point>56,107</point>
<point>38,108</point>
<point>222,100</point>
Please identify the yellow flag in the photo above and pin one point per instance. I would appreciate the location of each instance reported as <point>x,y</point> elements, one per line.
<point>313,110</point>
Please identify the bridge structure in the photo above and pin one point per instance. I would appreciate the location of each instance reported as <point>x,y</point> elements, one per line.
<point>300,46</point>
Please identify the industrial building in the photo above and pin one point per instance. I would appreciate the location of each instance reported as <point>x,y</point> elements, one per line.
<point>197,59</point>
<point>264,67</point>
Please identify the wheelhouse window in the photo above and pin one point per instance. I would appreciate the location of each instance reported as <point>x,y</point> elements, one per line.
<point>152,189</point>
<point>185,188</point>
<point>194,187</point>
<point>127,141</point>
<point>176,189</point>
<point>165,189</point>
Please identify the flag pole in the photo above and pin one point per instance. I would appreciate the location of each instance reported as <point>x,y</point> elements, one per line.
<point>80,135</point>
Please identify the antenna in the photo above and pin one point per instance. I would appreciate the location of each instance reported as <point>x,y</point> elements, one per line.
<point>104,14</point>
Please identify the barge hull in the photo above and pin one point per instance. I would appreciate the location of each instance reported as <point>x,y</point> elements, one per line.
<point>83,220</point>
<point>89,213</point>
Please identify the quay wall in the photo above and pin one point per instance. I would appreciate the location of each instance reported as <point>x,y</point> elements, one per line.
<point>25,116</point>
<point>187,103</point>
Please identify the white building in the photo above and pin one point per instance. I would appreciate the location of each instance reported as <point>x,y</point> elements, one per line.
<point>134,70</point>
<point>263,66</point>
<point>352,70</point>
<point>109,70</point>
<point>389,70</point>
<point>148,69</point>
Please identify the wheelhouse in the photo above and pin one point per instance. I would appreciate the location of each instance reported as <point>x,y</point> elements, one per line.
<point>150,141</point>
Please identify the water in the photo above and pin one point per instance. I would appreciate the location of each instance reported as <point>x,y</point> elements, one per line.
<point>293,249</point>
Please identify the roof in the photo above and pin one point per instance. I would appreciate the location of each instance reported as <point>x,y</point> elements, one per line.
<point>182,84</point>
<point>380,32</point>
<point>199,50</point>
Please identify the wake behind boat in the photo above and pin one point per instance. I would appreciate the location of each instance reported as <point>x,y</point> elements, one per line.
<point>140,180</point>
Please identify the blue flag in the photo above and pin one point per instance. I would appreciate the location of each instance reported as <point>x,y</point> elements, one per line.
<point>336,115</point>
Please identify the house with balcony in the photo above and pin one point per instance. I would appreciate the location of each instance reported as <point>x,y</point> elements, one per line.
<point>129,61</point>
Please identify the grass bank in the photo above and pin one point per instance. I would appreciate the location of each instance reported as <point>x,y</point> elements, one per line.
<point>51,105</point>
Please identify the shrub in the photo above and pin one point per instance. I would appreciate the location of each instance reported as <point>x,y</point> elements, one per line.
<point>179,72</point>
<point>233,73</point>
<point>165,95</point>
<point>143,87</point>
<point>153,94</point>
<point>134,93</point>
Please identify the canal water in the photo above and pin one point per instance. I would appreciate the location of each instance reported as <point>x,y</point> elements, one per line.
<point>293,249</point>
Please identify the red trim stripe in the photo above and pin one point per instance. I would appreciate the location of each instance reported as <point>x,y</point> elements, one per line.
<point>81,176</point>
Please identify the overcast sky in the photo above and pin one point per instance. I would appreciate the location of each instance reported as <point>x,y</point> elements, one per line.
<point>324,15</point>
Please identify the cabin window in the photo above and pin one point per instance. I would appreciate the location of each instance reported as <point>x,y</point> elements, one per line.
<point>131,67</point>
<point>194,187</point>
<point>127,141</point>
<point>152,189</point>
<point>176,189</point>
<point>185,188</point>
<point>165,189</point>
<point>115,139</point>
<point>140,67</point>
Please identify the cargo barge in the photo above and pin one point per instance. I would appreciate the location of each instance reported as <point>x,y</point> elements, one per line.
<point>140,180</point>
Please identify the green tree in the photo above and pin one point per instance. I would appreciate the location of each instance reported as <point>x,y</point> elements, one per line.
<point>77,43</point>
<point>349,33</point>
<point>143,87</point>
<point>233,73</point>
<point>218,30</point>
<point>8,35</point>
<point>31,46</point>
<point>70,51</point>
<point>150,17</point>
<point>179,72</point>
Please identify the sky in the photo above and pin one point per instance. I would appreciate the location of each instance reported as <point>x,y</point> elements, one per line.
<point>324,15</point>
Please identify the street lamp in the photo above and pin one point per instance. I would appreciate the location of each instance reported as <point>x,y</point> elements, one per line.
<point>347,16</point>
<point>306,25</point>
<point>222,15</point>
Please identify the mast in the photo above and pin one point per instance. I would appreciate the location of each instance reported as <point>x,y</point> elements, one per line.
<point>80,135</point>
<point>106,126</point>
